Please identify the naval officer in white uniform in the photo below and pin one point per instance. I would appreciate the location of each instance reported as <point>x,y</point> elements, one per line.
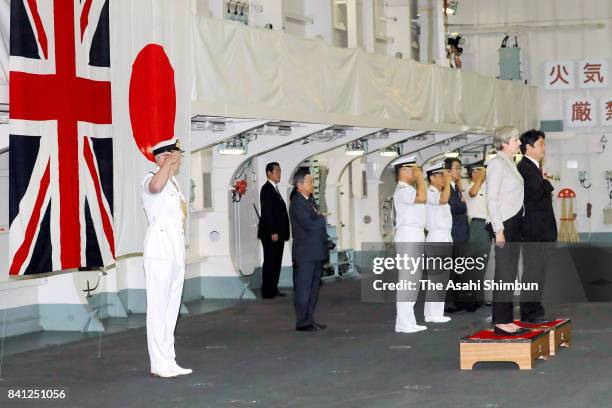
<point>439,238</point>
<point>409,202</point>
<point>164,257</point>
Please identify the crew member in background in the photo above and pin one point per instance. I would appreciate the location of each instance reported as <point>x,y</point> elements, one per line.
<point>458,300</point>
<point>273,231</point>
<point>409,235</point>
<point>539,223</point>
<point>439,238</point>
<point>453,52</point>
<point>164,257</point>
<point>480,238</point>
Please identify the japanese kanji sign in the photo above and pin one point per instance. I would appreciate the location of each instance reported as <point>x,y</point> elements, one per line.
<point>581,112</point>
<point>605,108</point>
<point>593,73</point>
<point>559,75</point>
<point>586,74</point>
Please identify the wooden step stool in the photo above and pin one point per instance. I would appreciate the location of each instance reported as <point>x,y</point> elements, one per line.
<point>560,332</point>
<point>486,346</point>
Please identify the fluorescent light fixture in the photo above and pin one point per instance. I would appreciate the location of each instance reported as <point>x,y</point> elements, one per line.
<point>230,150</point>
<point>390,151</point>
<point>236,146</point>
<point>356,148</point>
<point>452,155</point>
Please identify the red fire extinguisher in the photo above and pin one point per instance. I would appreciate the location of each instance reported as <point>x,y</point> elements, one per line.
<point>239,189</point>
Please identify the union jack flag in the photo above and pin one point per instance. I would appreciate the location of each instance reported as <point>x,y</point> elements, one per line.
<point>60,158</point>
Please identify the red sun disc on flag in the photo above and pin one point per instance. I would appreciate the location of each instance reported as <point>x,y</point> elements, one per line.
<point>152,98</point>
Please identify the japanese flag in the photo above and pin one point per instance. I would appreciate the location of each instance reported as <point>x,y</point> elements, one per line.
<point>151,63</point>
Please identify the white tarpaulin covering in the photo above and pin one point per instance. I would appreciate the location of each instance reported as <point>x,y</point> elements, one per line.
<point>158,32</point>
<point>258,73</point>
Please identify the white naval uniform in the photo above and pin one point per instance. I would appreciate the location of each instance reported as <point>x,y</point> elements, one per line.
<point>439,218</point>
<point>409,227</point>
<point>477,206</point>
<point>439,226</point>
<point>164,265</point>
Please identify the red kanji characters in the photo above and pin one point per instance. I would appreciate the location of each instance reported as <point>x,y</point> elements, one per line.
<point>581,111</point>
<point>560,70</point>
<point>593,73</point>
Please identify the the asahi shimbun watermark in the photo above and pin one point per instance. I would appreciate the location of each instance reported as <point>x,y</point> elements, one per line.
<point>403,271</point>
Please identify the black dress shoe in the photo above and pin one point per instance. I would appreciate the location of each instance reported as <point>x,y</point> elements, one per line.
<point>517,332</point>
<point>280,294</point>
<point>319,326</point>
<point>471,308</point>
<point>267,297</point>
<point>537,320</point>
<point>308,328</point>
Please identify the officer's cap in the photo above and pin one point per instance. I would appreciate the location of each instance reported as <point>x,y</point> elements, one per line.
<point>433,168</point>
<point>409,161</point>
<point>169,145</point>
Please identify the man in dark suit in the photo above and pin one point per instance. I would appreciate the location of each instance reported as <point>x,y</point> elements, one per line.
<point>539,224</point>
<point>458,300</point>
<point>460,231</point>
<point>273,231</point>
<point>309,251</point>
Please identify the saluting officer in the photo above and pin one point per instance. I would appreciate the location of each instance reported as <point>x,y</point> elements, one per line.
<point>164,257</point>
<point>409,202</point>
<point>439,238</point>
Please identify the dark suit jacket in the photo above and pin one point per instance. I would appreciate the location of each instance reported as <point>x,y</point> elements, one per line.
<point>460,231</point>
<point>539,224</point>
<point>309,230</point>
<point>274,218</point>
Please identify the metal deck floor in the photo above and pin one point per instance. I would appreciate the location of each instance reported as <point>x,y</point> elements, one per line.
<point>249,355</point>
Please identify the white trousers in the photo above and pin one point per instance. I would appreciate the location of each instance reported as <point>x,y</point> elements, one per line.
<point>164,282</point>
<point>436,309</point>
<point>414,239</point>
<point>441,235</point>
